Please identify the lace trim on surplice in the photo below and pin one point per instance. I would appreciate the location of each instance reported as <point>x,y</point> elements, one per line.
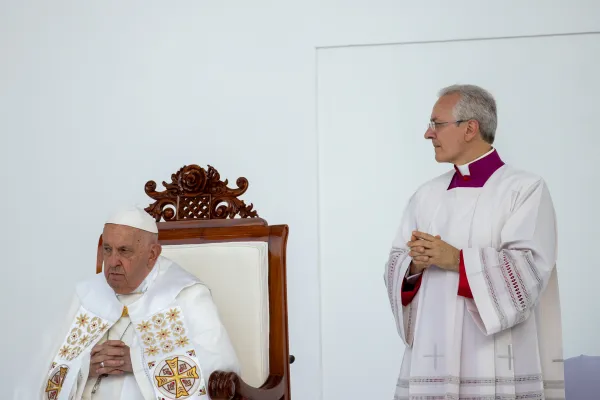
<point>397,257</point>
<point>451,396</point>
<point>514,282</point>
<point>491,290</point>
<point>491,381</point>
<point>520,296</point>
<point>409,323</point>
<point>404,385</point>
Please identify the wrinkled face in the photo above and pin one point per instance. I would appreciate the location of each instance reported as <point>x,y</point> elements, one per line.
<point>129,255</point>
<point>448,139</point>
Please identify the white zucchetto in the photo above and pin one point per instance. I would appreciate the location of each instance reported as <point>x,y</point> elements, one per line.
<point>135,217</point>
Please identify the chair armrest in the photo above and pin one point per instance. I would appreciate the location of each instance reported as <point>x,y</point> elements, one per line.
<point>229,386</point>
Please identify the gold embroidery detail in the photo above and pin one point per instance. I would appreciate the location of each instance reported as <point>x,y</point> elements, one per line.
<point>85,340</point>
<point>177,329</point>
<point>163,335</point>
<point>64,351</point>
<point>55,382</point>
<point>176,377</point>
<point>182,341</point>
<point>94,325</point>
<point>75,351</point>
<point>82,320</point>
<point>74,336</point>
<point>159,320</point>
<point>167,347</point>
<point>148,338</point>
<point>85,329</point>
<point>173,314</point>
<point>144,326</point>
<point>125,312</point>
<point>160,336</point>
<point>152,351</point>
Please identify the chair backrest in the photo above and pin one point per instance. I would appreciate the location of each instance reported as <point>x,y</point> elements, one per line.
<point>241,260</point>
<point>237,275</point>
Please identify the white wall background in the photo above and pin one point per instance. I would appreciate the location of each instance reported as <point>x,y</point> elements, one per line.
<point>374,106</point>
<point>98,98</point>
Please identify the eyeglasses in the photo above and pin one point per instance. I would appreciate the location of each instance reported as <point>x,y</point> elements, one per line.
<point>433,125</point>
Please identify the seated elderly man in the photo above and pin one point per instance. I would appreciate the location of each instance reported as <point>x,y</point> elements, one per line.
<point>145,329</point>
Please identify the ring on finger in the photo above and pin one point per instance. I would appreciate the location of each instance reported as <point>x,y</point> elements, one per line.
<point>102,364</point>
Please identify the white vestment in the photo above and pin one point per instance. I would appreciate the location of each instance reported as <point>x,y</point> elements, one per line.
<point>173,329</point>
<point>506,342</point>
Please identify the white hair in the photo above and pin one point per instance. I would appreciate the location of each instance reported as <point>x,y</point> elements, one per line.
<point>475,103</point>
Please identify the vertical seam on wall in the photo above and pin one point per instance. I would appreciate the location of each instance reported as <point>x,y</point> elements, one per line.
<point>318,180</point>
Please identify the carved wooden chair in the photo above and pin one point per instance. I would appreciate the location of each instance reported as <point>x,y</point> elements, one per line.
<point>243,262</point>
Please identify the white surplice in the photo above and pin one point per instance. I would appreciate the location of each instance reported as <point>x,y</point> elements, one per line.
<point>506,342</point>
<point>174,304</point>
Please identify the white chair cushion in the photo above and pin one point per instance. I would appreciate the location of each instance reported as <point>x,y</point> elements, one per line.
<point>237,276</point>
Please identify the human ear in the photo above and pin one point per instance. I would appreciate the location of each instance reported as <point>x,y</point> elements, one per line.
<point>155,251</point>
<point>472,130</point>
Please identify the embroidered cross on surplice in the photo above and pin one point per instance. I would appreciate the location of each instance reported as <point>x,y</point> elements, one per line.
<point>509,356</point>
<point>435,356</point>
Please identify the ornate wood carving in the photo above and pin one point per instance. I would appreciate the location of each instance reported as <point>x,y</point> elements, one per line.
<point>195,193</point>
<point>229,386</point>
<point>222,385</point>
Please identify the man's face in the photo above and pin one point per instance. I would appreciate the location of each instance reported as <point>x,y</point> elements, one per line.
<point>447,139</point>
<point>129,255</point>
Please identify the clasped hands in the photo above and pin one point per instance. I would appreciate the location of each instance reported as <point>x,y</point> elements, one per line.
<point>427,250</point>
<point>110,358</point>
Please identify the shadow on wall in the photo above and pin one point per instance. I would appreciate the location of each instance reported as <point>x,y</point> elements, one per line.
<point>582,378</point>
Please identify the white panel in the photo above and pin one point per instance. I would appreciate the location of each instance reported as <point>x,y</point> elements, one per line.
<point>237,275</point>
<point>374,104</point>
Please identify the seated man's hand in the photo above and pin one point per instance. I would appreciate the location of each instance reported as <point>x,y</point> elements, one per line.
<point>110,358</point>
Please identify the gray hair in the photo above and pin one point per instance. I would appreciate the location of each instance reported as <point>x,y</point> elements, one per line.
<point>475,103</point>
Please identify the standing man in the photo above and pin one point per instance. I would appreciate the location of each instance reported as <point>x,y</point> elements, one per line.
<point>471,275</point>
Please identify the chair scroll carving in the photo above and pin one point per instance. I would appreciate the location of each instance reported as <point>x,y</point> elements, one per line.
<point>227,385</point>
<point>198,194</point>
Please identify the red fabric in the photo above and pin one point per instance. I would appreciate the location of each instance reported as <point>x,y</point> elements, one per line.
<point>464,289</point>
<point>409,291</point>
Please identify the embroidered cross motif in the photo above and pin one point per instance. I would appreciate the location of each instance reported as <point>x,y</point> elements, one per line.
<point>435,356</point>
<point>509,356</point>
<point>176,377</point>
<point>55,383</point>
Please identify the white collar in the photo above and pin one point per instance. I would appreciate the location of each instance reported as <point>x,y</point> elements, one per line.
<point>464,169</point>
